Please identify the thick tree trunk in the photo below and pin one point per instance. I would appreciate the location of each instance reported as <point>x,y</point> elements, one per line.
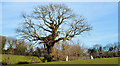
<point>49,56</point>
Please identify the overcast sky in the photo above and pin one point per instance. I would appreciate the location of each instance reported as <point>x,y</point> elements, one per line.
<point>103,17</point>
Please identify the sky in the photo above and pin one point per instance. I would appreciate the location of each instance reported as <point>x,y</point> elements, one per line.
<point>102,16</point>
<point>60,0</point>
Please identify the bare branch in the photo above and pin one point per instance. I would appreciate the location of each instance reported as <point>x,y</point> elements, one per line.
<point>56,20</point>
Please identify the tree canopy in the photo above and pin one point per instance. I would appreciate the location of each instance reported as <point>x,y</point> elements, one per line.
<point>52,23</point>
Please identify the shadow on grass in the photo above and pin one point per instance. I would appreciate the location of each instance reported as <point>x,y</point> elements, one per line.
<point>63,65</point>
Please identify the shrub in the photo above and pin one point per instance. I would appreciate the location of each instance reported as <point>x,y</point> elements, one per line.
<point>23,63</point>
<point>3,63</point>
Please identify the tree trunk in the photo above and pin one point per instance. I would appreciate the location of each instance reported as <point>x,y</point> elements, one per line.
<point>48,56</point>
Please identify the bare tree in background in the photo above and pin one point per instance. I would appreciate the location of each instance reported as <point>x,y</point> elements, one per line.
<point>50,24</point>
<point>20,47</point>
<point>2,43</point>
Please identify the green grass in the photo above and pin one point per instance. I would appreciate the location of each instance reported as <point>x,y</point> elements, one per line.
<point>113,60</point>
<point>88,61</point>
<point>16,58</point>
<point>13,59</point>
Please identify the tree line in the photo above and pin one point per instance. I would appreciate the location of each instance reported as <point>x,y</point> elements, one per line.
<point>60,50</point>
<point>109,50</point>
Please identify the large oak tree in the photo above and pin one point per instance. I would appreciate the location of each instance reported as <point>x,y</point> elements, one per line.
<point>52,23</point>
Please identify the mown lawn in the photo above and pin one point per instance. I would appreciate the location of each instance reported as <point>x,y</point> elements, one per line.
<point>113,60</point>
<point>14,59</point>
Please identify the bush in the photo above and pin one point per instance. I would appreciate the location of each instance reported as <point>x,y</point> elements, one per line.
<point>23,63</point>
<point>3,63</point>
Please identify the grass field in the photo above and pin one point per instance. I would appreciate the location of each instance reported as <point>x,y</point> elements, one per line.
<point>16,58</point>
<point>13,59</point>
<point>113,60</point>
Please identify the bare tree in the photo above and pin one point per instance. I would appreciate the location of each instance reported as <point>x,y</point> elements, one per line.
<point>2,43</point>
<point>20,47</point>
<point>50,24</point>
